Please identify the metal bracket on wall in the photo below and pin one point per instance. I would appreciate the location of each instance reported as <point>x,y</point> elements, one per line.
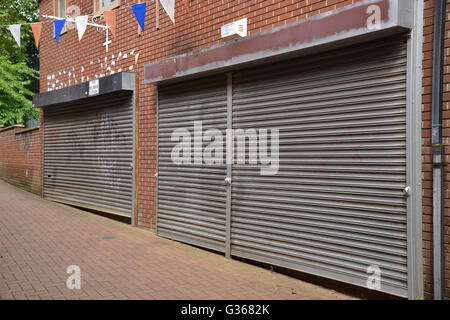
<point>439,150</point>
<point>440,164</point>
<point>104,27</point>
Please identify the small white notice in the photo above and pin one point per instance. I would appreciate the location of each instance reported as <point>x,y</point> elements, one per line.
<point>94,87</point>
<point>237,28</point>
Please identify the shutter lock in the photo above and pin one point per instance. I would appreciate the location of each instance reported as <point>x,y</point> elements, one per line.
<point>407,191</point>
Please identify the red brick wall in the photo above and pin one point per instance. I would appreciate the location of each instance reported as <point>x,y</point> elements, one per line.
<point>202,31</point>
<point>427,153</point>
<point>21,157</point>
<point>427,167</point>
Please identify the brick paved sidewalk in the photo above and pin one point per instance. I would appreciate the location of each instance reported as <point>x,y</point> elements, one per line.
<point>40,239</point>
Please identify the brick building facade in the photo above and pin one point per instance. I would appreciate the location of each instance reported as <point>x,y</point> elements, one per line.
<point>71,62</point>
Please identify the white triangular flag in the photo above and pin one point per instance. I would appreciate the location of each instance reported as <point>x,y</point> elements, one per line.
<point>169,6</point>
<point>15,30</point>
<point>81,22</point>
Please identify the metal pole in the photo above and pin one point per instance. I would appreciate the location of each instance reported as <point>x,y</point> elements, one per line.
<point>73,20</point>
<point>229,162</point>
<point>436,140</point>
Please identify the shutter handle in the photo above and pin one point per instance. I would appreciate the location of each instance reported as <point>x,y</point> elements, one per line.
<point>407,191</point>
<point>228,180</point>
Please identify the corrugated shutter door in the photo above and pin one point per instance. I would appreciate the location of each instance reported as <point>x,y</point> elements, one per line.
<point>88,153</point>
<point>336,205</point>
<point>191,197</point>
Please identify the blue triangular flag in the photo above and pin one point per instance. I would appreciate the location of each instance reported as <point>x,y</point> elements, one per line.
<point>58,25</point>
<point>139,12</point>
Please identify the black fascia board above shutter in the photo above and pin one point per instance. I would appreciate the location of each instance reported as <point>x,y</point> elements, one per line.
<point>115,83</point>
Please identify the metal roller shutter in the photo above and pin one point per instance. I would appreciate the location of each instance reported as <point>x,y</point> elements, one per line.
<point>336,205</point>
<point>88,153</point>
<point>191,197</point>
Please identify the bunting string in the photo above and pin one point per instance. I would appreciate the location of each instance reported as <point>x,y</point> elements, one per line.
<point>81,22</point>
<point>99,15</point>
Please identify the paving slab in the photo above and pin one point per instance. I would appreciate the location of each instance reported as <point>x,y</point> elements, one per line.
<point>39,239</point>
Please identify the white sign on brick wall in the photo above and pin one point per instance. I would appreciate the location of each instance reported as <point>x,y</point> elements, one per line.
<point>94,87</point>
